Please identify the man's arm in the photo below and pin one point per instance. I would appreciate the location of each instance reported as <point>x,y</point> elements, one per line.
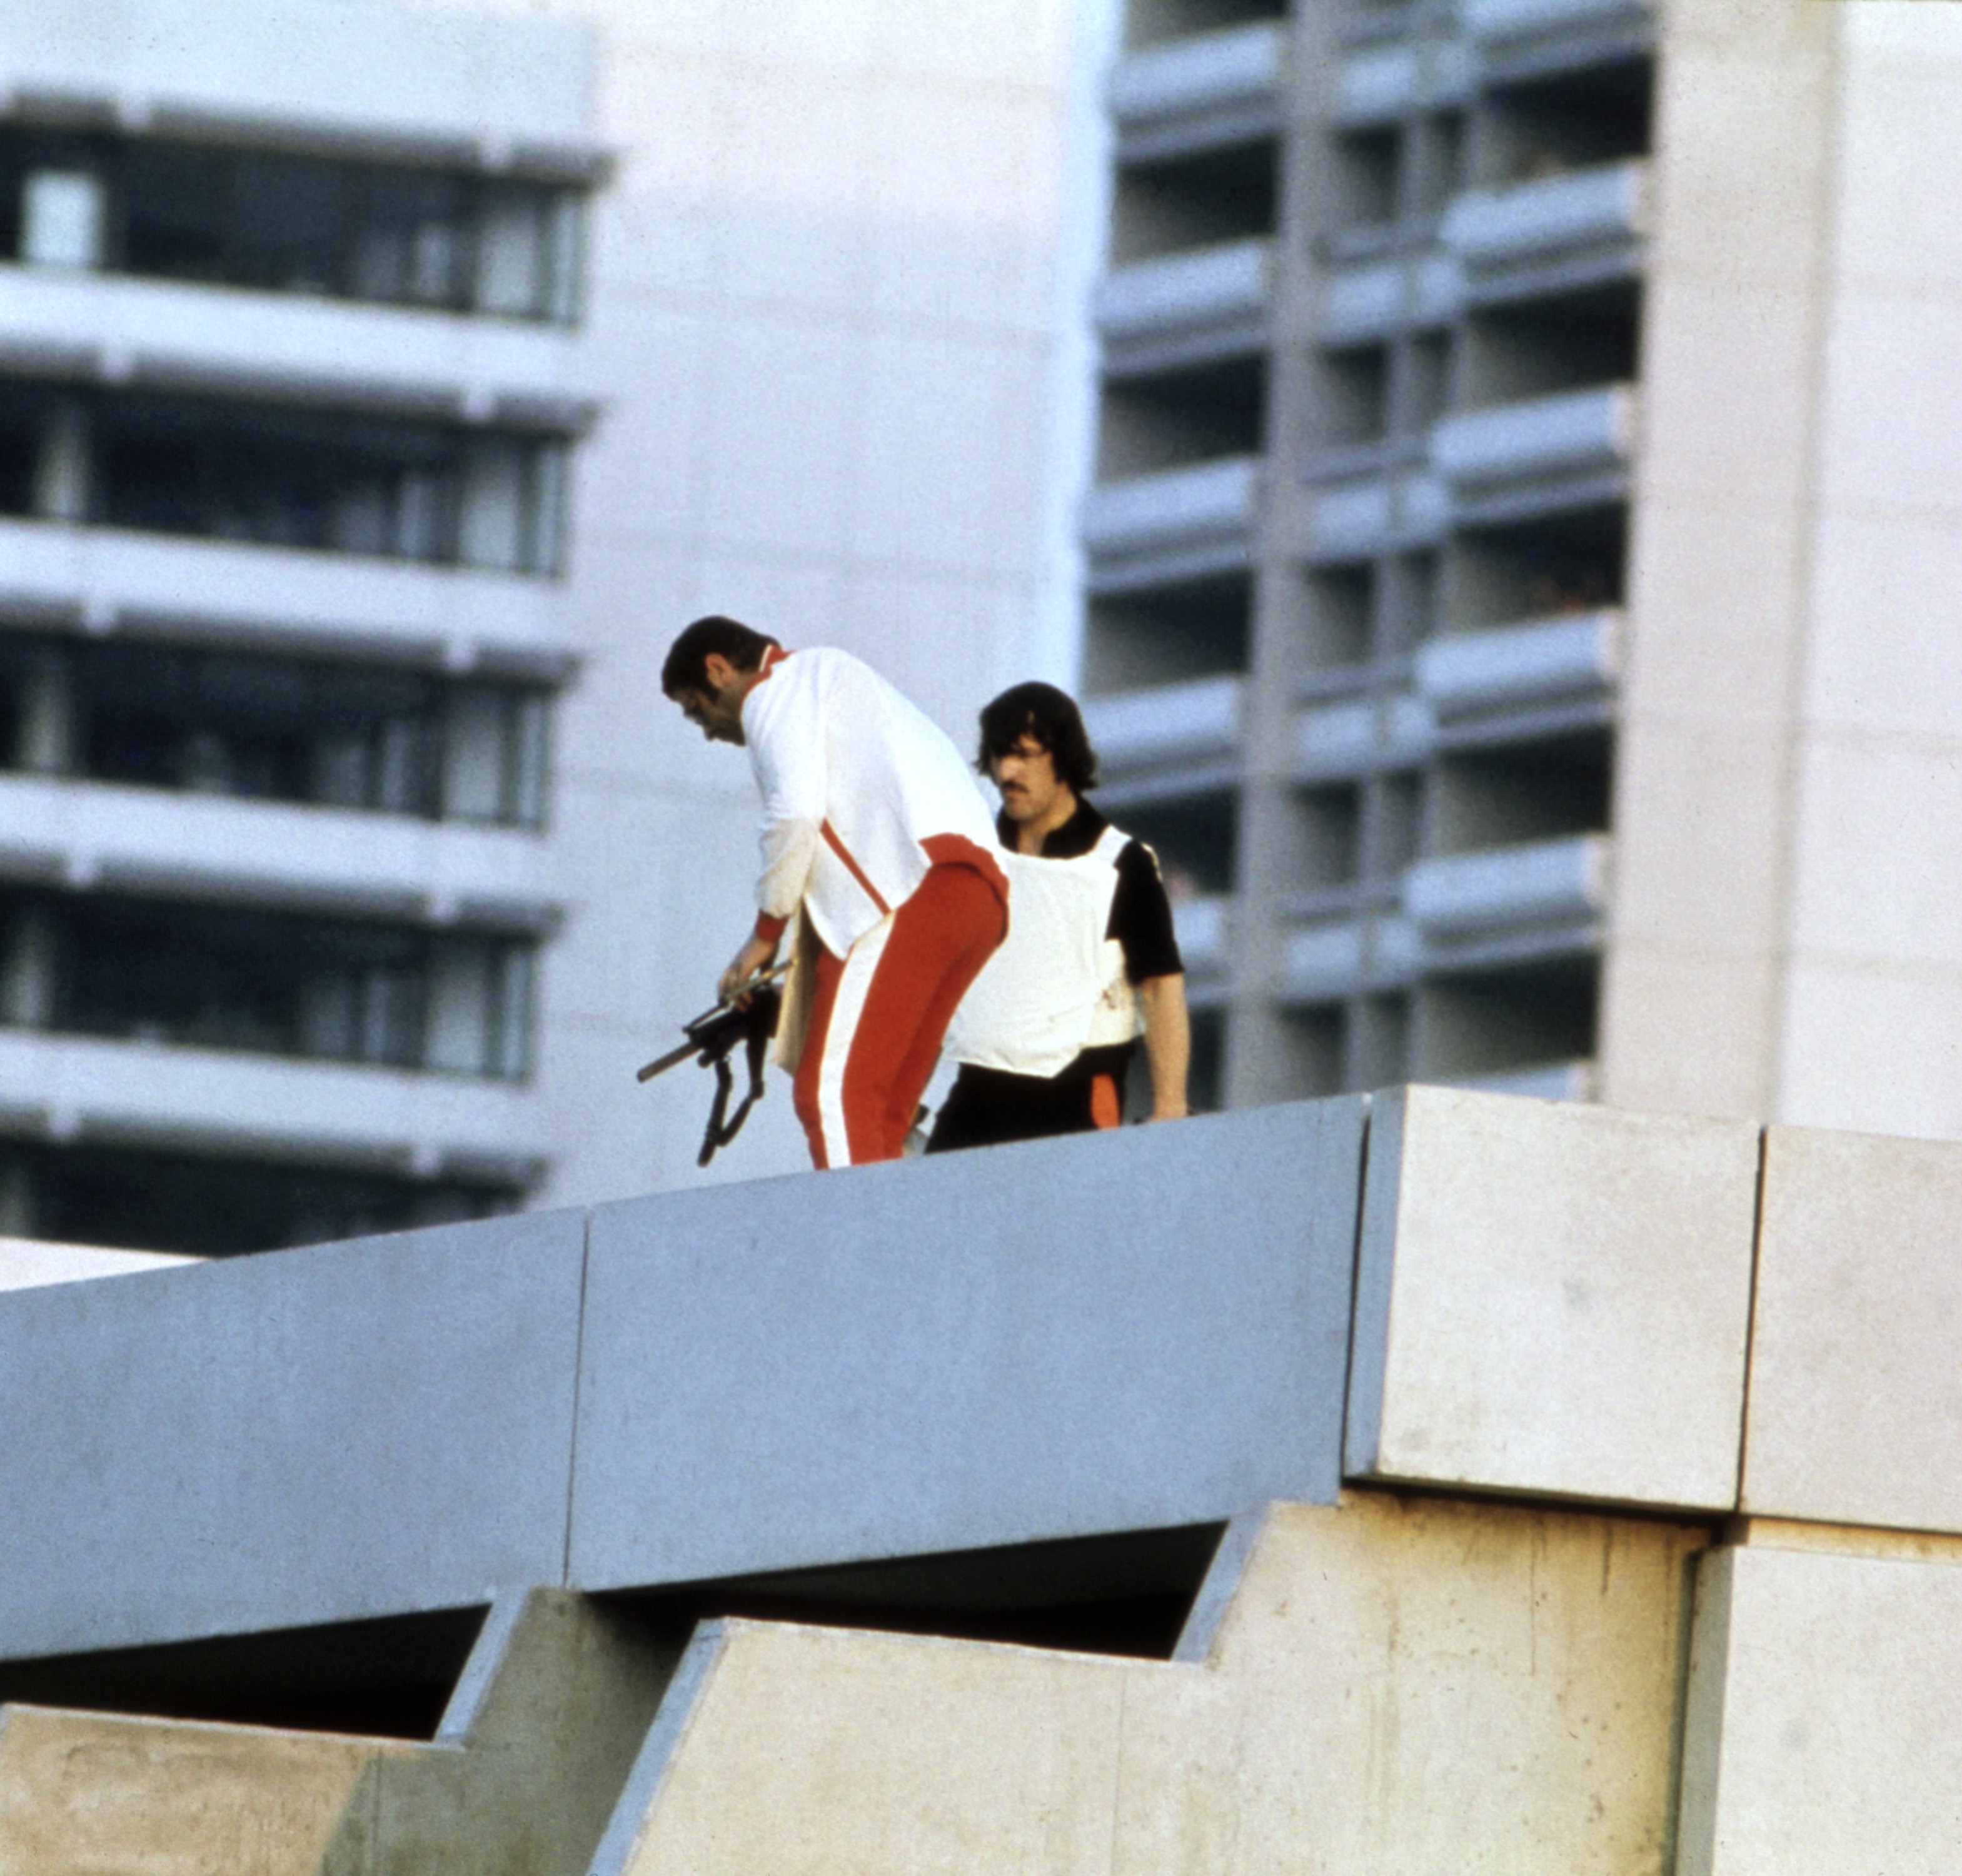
<point>783,719</point>
<point>1168,1043</point>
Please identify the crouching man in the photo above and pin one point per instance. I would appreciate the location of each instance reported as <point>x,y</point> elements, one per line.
<point>1045,1038</point>
<point>875,836</point>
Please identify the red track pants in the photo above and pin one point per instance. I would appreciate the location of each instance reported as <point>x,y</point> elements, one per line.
<point>878,1015</point>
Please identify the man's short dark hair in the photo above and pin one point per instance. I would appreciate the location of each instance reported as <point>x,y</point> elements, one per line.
<point>1051,717</point>
<point>687,666</point>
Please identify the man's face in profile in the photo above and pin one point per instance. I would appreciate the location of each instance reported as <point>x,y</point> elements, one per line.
<point>1026,776</point>
<point>716,710</point>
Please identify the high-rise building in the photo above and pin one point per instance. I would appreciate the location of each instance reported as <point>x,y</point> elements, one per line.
<point>1523,512</point>
<point>381,387</point>
<point>288,393</point>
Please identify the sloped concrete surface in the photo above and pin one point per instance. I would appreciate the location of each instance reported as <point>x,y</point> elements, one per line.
<point>1417,1689</point>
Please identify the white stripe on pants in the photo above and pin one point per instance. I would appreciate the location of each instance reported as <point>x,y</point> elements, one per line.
<point>854,982</point>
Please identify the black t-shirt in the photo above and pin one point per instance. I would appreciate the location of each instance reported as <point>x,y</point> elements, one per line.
<point>1140,913</point>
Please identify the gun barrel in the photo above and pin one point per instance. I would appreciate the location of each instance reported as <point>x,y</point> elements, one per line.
<point>668,1061</point>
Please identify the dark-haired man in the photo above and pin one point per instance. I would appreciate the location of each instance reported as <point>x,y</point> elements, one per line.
<point>875,834</point>
<point>1045,1036</point>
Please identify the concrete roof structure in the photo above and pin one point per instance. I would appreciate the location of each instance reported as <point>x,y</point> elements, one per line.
<point>1577,1489</point>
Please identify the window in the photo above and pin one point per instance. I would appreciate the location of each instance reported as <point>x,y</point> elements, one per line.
<point>449,240</point>
<point>266,982</point>
<point>269,728</point>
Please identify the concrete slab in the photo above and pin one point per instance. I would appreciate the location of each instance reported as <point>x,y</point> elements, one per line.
<point>1419,1690</point>
<point>1856,1396</point>
<point>28,1263</point>
<point>1823,1735</point>
<point>1552,1299</point>
<point>370,1428</point>
<point>1073,1336</point>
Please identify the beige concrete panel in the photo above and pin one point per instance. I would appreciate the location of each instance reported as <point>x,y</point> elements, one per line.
<point>1398,1689</point>
<point>1727,387</point>
<point>1741,151</point>
<point>87,1794</point>
<point>1856,1397</point>
<point>1892,412</point>
<point>1552,1298</point>
<point>1699,815</point>
<point>817,1750</point>
<point>1824,1727</point>
<point>1878,869</point>
<point>1885,655</point>
<point>1875,1047</point>
<point>1768,29</point>
<point>1685,1031</point>
<point>1717,581</point>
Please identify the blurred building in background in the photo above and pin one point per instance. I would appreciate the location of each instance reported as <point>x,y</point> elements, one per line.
<point>1525,544</point>
<point>349,858</point>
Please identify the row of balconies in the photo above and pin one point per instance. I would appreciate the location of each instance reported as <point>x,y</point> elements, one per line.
<point>1208,86</point>
<point>1454,680</point>
<point>459,618</point>
<point>1507,905</point>
<point>1484,235</point>
<point>1544,452</point>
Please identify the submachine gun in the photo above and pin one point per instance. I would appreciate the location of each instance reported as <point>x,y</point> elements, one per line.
<point>748,1018</point>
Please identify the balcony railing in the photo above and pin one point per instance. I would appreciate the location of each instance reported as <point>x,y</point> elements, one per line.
<point>1362,517</point>
<point>1520,664</point>
<point>1200,927</point>
<point>1574,432</point>
<point>1230,284</point>
<point>1547,882</point>
<point>1589,207</point>
<point>1172,723</point>
<point>455,615</point>
<point>1232,71</point>
<point>272,853</point>
<point>1551,1081</point>
<point>1490,19</point>
<point>1214,502</point>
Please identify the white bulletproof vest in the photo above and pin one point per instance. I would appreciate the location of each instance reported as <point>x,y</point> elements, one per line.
<point>1056,986</point>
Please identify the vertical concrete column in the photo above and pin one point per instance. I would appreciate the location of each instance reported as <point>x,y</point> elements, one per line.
<point>27,972</point>
<point>46,744</point>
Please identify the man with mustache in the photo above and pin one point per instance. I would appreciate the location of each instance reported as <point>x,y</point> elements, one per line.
<point>1045,1036</point>
<point>875,837</point>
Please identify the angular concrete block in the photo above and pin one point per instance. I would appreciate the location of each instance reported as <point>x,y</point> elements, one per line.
<point>1552,1299</point>
<point>1421,1689</point>
<point>1126,1332</point>
<point>1823,1735</point>
<point>363,1429</point>
<point>1856,1390</point>
<point>84,1793</point>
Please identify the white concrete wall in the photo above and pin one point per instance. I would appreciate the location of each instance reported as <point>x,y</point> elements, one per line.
<point>1872,1010</point>
<point>1787,925</point>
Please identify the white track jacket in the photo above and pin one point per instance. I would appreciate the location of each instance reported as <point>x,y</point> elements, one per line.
<point>862,792</point>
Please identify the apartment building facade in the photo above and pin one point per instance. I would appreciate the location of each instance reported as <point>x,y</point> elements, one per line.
<point>1494,614</point>
<point>288,394</point>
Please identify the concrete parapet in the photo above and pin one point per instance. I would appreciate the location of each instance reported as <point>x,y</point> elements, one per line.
<point>359,1430</point>
<point>1856,1404</point>
<point>979,1349</point>
<point>30,1263</point>
<point>1823,1735</point>
<point>1552,1299</point>
<point>1397,1689</point>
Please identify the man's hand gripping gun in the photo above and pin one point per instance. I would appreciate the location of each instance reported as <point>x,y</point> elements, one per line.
<point>749,1018</point>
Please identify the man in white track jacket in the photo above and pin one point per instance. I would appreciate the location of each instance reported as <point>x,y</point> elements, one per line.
<point>875,834</point>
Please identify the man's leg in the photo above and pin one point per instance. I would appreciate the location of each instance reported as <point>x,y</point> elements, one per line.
<point>861,1077</point>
